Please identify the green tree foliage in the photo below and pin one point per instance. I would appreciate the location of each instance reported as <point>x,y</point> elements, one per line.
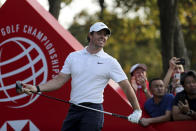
<point>187,15</point>
<point>137,40</point>
<point>131,41</point>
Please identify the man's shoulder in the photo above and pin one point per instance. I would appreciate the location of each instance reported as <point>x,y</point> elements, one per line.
<point>109,58</point>
<point>76,52</point>
<point>169,95</point>
<point>168,98</point>
<point>149,102</point>
<point>181,94</point>
<point>106,55</point>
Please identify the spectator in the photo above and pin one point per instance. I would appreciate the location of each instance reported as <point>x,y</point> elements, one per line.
<point>140,83</point>
<point>184,107</point>
<point>159,106</point>
<point>173,74</point>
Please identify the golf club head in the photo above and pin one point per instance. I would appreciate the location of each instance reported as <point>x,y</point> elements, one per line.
<point>18,86</point>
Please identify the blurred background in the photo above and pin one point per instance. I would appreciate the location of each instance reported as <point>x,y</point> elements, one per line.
<point>149,32</point>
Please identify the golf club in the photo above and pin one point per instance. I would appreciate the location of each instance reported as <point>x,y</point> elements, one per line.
<point>19,90</point>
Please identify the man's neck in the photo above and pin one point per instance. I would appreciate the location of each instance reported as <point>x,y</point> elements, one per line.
<point>92,49</point>
<point>157,100</point>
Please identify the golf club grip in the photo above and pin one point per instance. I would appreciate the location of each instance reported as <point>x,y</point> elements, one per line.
<point>120,116</point>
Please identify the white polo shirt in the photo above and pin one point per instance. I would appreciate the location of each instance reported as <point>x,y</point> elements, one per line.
<point>90,74</point>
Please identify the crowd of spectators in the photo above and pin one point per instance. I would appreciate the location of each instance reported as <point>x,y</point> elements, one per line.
<point>170,99</point>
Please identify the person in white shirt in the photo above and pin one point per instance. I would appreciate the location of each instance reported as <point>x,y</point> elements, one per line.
<point>90,70</point>
<point>172,77</point>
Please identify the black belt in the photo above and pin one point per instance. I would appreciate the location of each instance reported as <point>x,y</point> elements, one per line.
<point>86,103</point>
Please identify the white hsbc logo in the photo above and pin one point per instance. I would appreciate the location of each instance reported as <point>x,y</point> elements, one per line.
<point>22,59</point>
<point>25,61</point>
<point>36,34</point>
<point>19,125</point>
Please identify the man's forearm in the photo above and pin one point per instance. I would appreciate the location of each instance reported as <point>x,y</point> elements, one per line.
<point>128,90</point>
<point>54,83</point>
<point>179,117</point>
<point>168,77</point>
<point>192,114</point>
<point>159,119</point>
<point>133,100</point>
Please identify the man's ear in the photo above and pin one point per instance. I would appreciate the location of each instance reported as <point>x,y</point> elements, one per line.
<point>89,34</point>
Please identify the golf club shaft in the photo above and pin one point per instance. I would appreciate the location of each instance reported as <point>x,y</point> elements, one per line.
<point>105,112</point>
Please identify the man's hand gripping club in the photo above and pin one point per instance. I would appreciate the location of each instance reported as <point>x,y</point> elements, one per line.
<point>135,116</point>
<point>29,89</point>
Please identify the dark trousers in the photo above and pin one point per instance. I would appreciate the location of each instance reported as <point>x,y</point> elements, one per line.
<point>81,119</point>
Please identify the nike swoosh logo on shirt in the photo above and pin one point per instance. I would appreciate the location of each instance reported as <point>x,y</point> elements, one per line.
<point>99,63</point>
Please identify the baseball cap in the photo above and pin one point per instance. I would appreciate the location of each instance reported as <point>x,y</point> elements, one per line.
<point>134,67</point>
<point>99,26</point>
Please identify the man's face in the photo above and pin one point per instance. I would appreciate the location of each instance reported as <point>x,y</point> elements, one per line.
<point>190,85</point>
<point>178,69</point>
<point>98,39</point>
<point>139,72</point>
<point>157,88</point>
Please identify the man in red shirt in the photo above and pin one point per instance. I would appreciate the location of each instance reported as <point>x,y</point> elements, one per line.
<point>140,83</point>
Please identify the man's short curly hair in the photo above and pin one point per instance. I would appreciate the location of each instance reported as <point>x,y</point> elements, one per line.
<point>184,75</point>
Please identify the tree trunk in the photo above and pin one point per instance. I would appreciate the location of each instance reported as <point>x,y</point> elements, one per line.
<point>102,5</point>
<point>168,9</point>
<point>180,49</point>
<point>54,7</point>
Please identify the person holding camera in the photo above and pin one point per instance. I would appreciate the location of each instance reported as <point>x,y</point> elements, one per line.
<point>184,107</point>
<point>174,73</point>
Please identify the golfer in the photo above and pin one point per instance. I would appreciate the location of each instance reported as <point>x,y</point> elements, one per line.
<point>90,70</point>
